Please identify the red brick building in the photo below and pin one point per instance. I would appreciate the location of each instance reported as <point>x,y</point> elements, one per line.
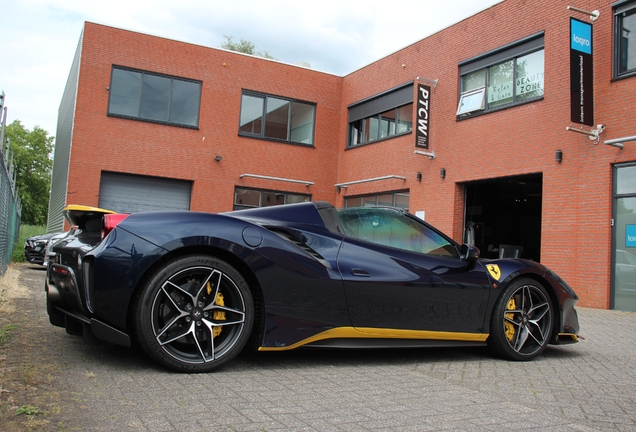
<point>466,128</point>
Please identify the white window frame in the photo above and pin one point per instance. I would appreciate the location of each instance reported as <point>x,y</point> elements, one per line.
<point>472,100</point>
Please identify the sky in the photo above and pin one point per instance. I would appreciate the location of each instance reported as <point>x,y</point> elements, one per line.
<point>39,37</point>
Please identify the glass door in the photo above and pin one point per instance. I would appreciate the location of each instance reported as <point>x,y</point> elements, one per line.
<point>624,259</point>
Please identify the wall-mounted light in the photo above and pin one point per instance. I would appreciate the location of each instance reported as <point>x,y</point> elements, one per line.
<point>419,176</point>
<point>218,158</point>
<point>559,156</point>
<point>338,189</point>
<point>442,173</point>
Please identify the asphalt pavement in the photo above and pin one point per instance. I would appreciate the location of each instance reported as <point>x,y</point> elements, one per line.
<point>100,387</point>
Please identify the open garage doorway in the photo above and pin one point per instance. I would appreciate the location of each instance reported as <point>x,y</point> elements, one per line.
<point>503,216</point>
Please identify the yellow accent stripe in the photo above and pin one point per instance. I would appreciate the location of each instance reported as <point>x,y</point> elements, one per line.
<point>76,207</point>
<point>569,335</point>
<point>376,333</point>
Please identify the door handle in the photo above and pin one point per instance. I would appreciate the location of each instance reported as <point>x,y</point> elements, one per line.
<point>360,272</point>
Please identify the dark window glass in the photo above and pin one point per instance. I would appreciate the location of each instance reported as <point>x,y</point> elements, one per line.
<point>500,81</point>
<point>391,199</point>
<point>387,124</point>
<point>401,201</point>
<point>155,98</point>
<point>352,202</point>
<point>504,83</point>
<point>125,93</point>
<point>529,81</point>
<point>404,119</point>
<point>147,96</point>
<point>249,198</point>
<point>277,118</point>
<point>625,38</point>
<point>302,123</point>
<point>251,114</point>
<point>186,99</point>
<point>356,133</point>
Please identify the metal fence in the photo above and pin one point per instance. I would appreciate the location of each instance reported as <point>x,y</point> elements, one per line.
<point>10,207</point>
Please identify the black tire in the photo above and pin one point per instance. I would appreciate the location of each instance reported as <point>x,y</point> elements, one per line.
<point>56,317</point>
<point>521,322</point>
<point>194,314</point>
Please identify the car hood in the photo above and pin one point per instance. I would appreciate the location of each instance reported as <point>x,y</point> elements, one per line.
<point>42,236</point>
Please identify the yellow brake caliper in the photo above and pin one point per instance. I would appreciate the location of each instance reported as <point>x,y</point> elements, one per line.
<point>509,328</point>
<point>218,315</point>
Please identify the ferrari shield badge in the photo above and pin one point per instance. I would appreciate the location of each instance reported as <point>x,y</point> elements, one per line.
<point>494,271</point>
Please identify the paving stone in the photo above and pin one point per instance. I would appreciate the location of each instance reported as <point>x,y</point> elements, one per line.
<point>584,387</point>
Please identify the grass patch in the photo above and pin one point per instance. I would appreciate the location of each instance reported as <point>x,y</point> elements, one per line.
<point>4,333</point>
<point>26,231</point>
<point>28,410</point>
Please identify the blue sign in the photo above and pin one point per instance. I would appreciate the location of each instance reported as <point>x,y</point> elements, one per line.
<point>581,36</point>
<point>630,235</point>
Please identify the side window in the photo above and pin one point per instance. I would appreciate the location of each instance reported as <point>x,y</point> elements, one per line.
<point>152,97</point>
<point>508,76</point>
<point>395,229</point>
<point>625,40</point>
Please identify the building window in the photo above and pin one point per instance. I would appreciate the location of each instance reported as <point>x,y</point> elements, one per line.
<point>381,117</point>
<point>250,198</point>
<point>390,199</point>
<point>277,118</point>
<point>625,39</point>
<point>508,76</point>
<point>388,124</point>
<point>152,97</point>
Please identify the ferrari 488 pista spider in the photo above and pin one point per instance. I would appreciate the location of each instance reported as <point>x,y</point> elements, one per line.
<point>194,289</point>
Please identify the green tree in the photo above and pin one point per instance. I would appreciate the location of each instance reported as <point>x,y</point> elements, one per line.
<point>32,163</point>
<point>244,46</point>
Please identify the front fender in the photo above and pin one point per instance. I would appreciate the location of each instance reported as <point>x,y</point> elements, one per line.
<point>502,272</point>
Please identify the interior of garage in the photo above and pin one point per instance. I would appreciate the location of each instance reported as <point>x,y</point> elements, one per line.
<point>503,216</point>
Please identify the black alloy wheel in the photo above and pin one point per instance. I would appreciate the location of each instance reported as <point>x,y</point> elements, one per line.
<point>194,314</point>
<point>521,323</point>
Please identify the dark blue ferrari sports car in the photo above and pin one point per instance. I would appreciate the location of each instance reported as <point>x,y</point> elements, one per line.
<point>194,289</point>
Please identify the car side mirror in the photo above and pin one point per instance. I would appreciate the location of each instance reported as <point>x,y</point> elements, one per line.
<point>468,252</point>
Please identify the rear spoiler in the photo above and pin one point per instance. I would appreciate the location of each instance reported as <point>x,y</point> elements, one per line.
<point>86,218</point>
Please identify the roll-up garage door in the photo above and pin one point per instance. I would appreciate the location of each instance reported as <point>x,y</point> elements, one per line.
<point>128,193</point>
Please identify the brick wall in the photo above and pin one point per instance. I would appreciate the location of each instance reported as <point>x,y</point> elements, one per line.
<point>577,193</point>
<point>122,145</point>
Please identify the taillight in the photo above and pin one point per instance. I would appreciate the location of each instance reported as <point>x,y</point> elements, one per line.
<point>110,221</point>
<point>60,270</point>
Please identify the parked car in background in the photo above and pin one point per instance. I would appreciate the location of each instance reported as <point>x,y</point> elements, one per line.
<point>35,247</point>
<point>193,289</point>
<point>48,253</point>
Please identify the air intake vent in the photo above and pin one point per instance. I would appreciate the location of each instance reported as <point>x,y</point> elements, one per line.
<point>298,239</point>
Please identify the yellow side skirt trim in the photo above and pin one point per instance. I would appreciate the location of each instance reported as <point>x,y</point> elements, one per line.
<point>572,336</point>
<point>377,333</point>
